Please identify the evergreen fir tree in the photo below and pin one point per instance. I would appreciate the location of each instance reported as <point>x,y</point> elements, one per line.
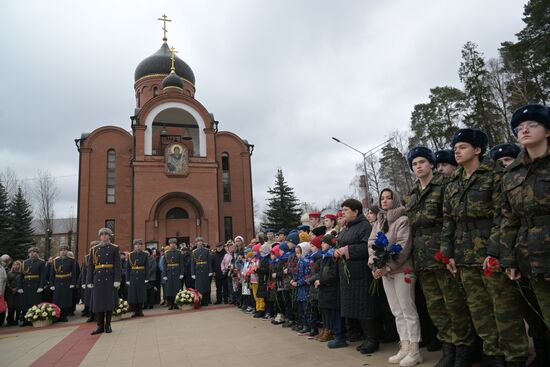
<point>4,220</point>
<point>283,207</point>
<point>20,226</point>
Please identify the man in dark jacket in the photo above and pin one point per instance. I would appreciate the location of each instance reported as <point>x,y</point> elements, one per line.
<point>219,274</point>
<point>137,270</point>
<point>62,281</point>
<point>103,276</point>
<point>32,282</point>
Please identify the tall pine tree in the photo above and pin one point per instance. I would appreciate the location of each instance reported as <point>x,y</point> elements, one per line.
<point>20,226</point>
<point>283,209</point>
<point>4,220</point>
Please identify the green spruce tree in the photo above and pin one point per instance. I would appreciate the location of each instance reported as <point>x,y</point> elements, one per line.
<point>4,220</point>
<point>20,220</point>
<point>283,208</point>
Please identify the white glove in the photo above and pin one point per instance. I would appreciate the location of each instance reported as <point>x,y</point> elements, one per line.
<point>146,280</point>
<point>127,283</point>
<point>192,276</point>
<point>20,291</point>
<point>39,290</point>
<point>71,286</point>
<point>210,274</point>
<point>116,284</point>
<point>90,285</point>
<point>52,288</point>
<point>83,285</point>
<point>181,276</point>
<point>164,278</point>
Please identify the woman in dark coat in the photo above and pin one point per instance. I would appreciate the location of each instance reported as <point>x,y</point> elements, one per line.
<point>355,276</point>
<point>263,274</point>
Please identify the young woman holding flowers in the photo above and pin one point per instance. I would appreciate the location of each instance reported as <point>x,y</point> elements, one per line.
<point>394,223</point>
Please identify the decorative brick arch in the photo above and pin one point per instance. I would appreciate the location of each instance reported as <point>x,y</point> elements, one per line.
<point>153,213</point>
<point>148,143</point>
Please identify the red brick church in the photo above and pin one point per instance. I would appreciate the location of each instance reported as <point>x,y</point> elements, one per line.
<point>173,174</point>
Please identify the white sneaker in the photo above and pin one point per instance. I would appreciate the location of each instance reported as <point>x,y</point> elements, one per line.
<point>413,356</point>
<point>403,351</point>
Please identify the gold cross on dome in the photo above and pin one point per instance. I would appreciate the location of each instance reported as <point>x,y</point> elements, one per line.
<point>164,19</point>
<point>173,57</point>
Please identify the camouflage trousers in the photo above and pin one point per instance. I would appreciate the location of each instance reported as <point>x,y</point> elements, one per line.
<point>531,311</point>
<point>508,311</point>
<point>542,292</point>
<point>480,304</point>
<point>446,304</point>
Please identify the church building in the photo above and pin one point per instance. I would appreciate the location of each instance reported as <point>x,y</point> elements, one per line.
<point>173,174</point>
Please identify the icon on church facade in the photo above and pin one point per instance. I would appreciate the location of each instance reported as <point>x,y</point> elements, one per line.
<point>176,159</point>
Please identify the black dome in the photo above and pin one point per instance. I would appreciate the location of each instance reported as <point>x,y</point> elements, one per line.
<point>172,80</point>
<point>160,63</point>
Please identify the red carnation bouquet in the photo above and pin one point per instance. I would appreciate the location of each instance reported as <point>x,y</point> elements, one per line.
<point>492,264</point>
<point>439,257</point>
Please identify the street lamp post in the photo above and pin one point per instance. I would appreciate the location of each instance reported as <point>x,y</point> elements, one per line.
<point>365,156</point>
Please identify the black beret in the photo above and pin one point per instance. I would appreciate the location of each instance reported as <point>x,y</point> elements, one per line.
<point>531,112</point>
<point>504,150</point>
<point>445,156</point>
<point>420,152</point>
<point>475,137</point>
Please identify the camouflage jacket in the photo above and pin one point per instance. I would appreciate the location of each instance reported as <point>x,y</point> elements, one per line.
<point>471,215</point>
<point>425,212</point>
<point>525,226</point>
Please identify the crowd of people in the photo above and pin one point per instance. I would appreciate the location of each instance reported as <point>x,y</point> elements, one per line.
<point>462,263</point>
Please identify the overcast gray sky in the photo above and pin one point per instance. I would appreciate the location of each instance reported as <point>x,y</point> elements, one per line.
<point>286,75</point>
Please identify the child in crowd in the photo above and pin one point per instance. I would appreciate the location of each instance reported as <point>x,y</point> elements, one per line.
<point>312,315</point>
<point>300,284</point>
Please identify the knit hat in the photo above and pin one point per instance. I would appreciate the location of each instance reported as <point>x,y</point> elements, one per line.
<point>316,241</point>
<point>445,156</point>
<point>265,249</point>
<point>504,150</point>
<point>239,238</point>
<point>420,152</point>
<point>303,236</point>
<point>256,247</point>
<point>303,227</point>
<point>284,247</point>
<point>306,248</point>
<point>283,231</point>
<point>275,251</point>
<point>475,137</point>
<point>531,112</point>
<point>293,237</point>
<point>329,239</point>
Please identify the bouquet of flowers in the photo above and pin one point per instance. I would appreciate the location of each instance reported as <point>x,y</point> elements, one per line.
<point>188,297</point>
<point>439,257</point>
<point>43,311</point>
<point>121,308</point>
<point>384,253</point>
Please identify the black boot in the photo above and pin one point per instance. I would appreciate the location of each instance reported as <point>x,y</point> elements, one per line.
<point>542,357</point>
<point>448,358</point>
<point>91,318</point>
<point>493,361</point>
<point>463,356</point>
<point>100,316</point>
<point>108,316</point>
<point>371,329</point>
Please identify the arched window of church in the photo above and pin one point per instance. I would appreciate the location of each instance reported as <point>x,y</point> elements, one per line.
<point>111,173</point>
<point>225,177</point>
<point>138,98</point>
<point>155,91</point>
<point>177,213</point>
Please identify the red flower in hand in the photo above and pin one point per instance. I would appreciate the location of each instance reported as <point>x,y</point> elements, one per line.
<point>441,258</point>
<point>493,263</point>
<point>488,272</point>
<point>408,280</point>
<point>406,271</point>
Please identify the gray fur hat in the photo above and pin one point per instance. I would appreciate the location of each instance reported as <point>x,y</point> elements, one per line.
<point>105,231</point>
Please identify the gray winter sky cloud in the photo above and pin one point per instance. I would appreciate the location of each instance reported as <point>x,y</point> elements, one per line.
<point>285,75</point>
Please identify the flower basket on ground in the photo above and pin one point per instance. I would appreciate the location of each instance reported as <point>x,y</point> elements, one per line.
<point>120,309</point>
<point>42,314</point>
<point>188,299</point>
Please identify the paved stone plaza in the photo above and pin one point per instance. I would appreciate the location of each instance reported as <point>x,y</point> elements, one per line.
<point>212,336</point>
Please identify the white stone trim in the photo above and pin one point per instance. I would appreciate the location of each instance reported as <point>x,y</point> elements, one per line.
<point>148,144</point>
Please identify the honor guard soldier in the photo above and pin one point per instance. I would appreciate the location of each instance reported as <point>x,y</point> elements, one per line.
<point>87,292</point>
<point>202,270</point>
<point>32,282</point>
<point>173,273</point>
<point>103,276</point>
<point>63,280</point>
<point>136,277</point>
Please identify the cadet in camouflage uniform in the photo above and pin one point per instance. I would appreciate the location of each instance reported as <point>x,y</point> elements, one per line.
<point>445,298</point>
<point>525,226</point>
<point>471,227</point>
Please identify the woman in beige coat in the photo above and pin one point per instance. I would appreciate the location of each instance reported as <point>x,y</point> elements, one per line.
<point>393,221</point>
